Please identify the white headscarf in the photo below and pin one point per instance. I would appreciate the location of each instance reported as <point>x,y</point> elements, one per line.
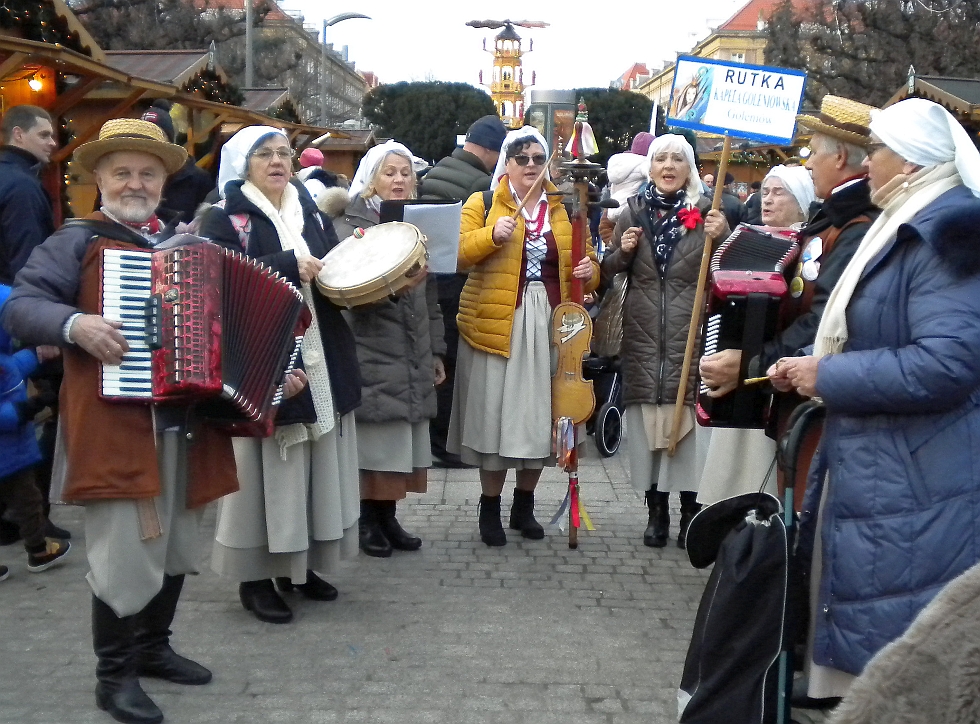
<point>235,153</point>
<point>370,163</point>
<point>508,140</point>
<point>677,142</point>
<point>798,182</point>
<point>926,134</point>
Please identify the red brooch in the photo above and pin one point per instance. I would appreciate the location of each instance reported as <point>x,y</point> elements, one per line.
<point>690,217</point>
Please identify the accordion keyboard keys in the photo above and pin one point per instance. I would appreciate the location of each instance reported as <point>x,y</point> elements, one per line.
<point>126,285</point>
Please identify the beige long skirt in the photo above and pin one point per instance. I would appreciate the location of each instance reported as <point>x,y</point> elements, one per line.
<point>738,461</point>
<point>501,416</point>
<point>394,458</point>
<point>646,435</point>
<point>290,515</point>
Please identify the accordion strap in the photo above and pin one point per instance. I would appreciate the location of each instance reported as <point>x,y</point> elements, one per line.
<point>110,230</point>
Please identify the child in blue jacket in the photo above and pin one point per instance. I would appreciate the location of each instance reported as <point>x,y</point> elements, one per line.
<point>19,454</point>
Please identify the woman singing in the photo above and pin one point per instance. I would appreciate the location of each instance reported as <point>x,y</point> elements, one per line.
<point>400,347</point>
<point>297,506</point>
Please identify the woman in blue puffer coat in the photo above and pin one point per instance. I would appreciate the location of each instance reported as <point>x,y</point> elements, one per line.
<point>892,511</point>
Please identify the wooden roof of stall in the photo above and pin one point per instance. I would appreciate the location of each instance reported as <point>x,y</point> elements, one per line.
<point>960,96</point>
<point>125,89</point>
<point>175,67</point>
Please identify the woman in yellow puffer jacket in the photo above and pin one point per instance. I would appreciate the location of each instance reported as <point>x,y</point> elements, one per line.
<point>519,269</point>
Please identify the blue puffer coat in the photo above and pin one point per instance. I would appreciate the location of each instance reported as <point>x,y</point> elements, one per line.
<point>18,443</point>
<point>902,437</point>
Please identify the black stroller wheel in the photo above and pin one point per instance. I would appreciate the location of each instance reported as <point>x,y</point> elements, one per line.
<point>608,429</point>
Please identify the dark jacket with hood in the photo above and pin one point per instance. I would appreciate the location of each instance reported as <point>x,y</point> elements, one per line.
<point>263,244</point>
<point>657,311</point>
<point>26,219</point>
<point>396,341</point>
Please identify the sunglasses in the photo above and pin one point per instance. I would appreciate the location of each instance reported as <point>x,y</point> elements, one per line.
<point>538,159</point>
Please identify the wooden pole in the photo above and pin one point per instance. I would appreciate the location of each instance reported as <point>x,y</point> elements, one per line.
<point>692,333</point>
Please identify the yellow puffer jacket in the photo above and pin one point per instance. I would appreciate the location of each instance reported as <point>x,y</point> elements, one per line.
<point>486,306</point>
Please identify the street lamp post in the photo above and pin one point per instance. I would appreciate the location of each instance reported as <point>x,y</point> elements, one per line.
<point>323,59</point>
<point>249,18</point>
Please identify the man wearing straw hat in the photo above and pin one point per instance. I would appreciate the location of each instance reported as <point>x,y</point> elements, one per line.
<point>837,152</point>
<point>142,472</point>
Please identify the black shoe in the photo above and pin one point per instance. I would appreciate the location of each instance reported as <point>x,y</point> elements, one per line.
<point>315,588</point>
<point>118,691</point>
<point>491,529</point>
<point>53,531</point>
<point>50,555</point>
<point>658,524</point>
<point>127,702</point>
<point>260,598</point>
<point>371,539</point>
<point>399,538</point>
<point>522,515</point>
<point>154,656</point>
<point>689,508</point>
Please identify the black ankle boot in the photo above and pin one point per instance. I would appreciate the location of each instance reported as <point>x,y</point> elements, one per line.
<point>154,655</point>
<point>522,515</point>
<point>370,536</point>
<point>658,524</point>
<point>491,530</point>
<point>399,538</point>
<point>315,588</point>
<point>689,508</point>
<point>260,598</point>
<point>118,691</point>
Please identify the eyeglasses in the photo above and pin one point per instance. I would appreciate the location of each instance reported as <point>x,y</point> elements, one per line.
<point>538,159</point>
<point>266,154</point>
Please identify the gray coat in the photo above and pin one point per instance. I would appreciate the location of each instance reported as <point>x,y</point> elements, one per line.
<point>396,341</point>
<point>656,313</point>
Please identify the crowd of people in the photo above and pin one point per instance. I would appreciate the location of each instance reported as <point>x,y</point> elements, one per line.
<point>881,322</point>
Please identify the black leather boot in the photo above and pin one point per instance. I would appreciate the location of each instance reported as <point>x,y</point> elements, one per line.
<point>689,508</point>
<point>522,515</point>
<point>370,536</point>
<point>118,691</point>
<point>154,656</point>
<point>315,588</point>
<point>260,598</point>
<point>658,524</point>
<point>399,538</point>
<point>491,529</point>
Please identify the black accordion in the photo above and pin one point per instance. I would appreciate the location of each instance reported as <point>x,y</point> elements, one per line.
<point>746,291</point>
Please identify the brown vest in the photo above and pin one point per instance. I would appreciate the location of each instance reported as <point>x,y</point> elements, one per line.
<point>111,446</point>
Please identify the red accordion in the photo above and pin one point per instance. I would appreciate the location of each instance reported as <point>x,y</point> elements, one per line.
<point>205,326</point>
<point>747,288</point>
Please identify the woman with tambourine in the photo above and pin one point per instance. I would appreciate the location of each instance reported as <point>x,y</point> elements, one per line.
<point>400,347</point>
<point>520,266</point>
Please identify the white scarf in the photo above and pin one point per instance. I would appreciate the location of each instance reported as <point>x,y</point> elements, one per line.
<point>288,222</point>
<point>899,207</point>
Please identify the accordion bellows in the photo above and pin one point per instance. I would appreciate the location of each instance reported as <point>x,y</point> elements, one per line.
<point>206,326</point>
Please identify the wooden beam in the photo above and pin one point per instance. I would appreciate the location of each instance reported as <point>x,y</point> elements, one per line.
<point>779,152</point>
<point>14,61</point>
<point>214,123</point>
<point>82,136</point>
<point>75,95</point>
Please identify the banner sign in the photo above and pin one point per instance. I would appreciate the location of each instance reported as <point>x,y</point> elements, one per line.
<point>744,101</point>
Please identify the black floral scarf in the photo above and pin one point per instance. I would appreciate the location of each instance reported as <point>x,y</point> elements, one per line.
<point>666,227</point>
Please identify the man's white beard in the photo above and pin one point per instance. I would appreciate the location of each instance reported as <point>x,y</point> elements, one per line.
<point>131,211</point>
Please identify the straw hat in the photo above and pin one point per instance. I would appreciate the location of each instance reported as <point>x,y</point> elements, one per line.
<point>841,118</point>
<point>131,134</point>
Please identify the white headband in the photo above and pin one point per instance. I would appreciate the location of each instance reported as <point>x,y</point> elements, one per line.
<point>508,140</point>
<point>369,165</point>
<point>798,182</point>
<point>926,134</point>
<point>234,154</point>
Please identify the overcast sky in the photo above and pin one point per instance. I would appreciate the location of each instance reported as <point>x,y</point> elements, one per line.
<point>425,40</point>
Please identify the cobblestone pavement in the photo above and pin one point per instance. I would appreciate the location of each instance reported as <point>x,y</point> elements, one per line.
<point>530,633</point>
